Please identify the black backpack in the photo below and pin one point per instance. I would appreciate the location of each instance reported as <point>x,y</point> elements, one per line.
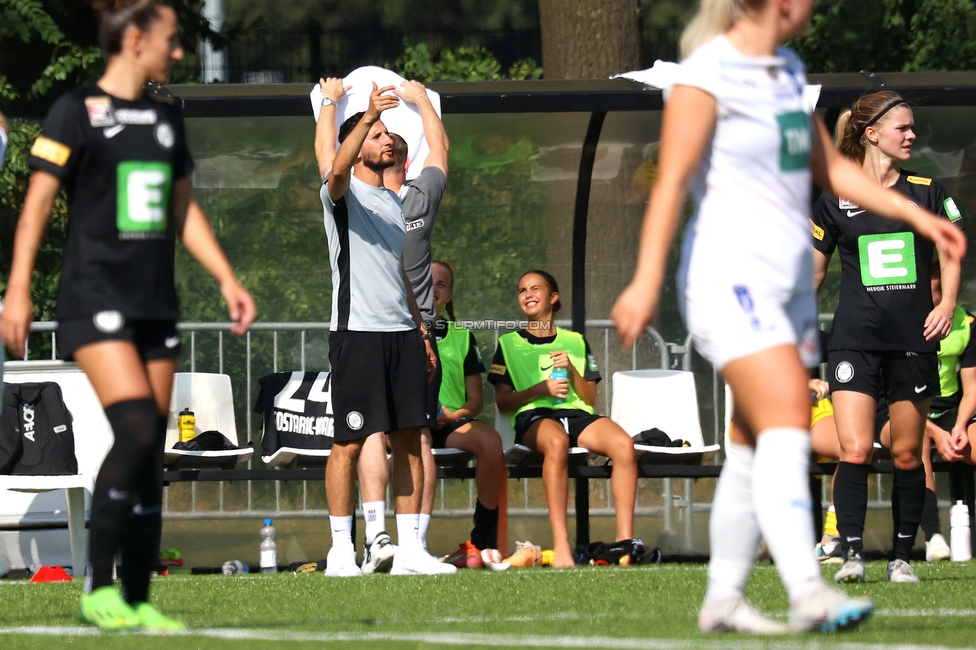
<point>36,436</point>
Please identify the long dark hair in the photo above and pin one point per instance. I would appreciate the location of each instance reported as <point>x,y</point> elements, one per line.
<point>551,281</point>
<point>449,305</point>
<point>115,16</point>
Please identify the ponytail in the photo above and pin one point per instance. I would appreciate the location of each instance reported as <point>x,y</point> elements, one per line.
<point>115,16</point>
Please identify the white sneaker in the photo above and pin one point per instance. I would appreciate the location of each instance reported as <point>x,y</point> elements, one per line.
<point>829,609</point>
<point>853,569</point>
<point>379,555</point>
<point>736,615</point>
<point>492,559</point>
<point>418,562</point>
<point>829,551</point>
<point>936,549</point>
<point>901,571</point>
<point>342,564</point>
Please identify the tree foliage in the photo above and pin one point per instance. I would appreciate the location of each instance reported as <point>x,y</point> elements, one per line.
<point>461,64</point>
<point>890,36</point>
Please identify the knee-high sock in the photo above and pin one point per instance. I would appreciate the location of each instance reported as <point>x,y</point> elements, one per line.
<point>140,545</point>
<point>485,532</point>
<point>733,530</point>
<point>134,425</point>
<point>910,487</point>
<point>781,494</point>
<point>851,502</point>
<point>930,515</point>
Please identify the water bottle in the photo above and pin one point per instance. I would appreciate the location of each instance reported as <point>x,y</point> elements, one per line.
<point>960,537</point>
<point>187,423</point>
<point>557,374</point>
<point>269,552</point>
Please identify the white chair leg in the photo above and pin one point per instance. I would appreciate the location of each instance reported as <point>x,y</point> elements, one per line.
<point>76,529</point>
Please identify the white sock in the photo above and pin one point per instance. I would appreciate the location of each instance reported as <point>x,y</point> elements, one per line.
<point>341,533</point>
<point>781,494</point>
<point>407,530</point>
<point>733,530</point>
<point>374,512</point>
<point>424,525</point>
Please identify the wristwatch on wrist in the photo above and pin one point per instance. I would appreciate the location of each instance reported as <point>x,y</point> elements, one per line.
<point>327,102</point>
<point>425,336</point>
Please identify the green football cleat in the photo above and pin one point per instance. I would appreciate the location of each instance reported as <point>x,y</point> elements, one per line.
<point>150,618</point>
<point>105,609</point>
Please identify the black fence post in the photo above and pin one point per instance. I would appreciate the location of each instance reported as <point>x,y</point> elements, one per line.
<point>314,31</point>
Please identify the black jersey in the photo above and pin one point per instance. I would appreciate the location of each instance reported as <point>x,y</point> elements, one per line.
<point>886,268</point>
<point>117,161</point>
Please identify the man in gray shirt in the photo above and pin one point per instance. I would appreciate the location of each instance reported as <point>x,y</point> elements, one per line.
<point>376,349</point>
<point>421,200</point>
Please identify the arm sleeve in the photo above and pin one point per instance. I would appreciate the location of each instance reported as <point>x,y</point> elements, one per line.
<point>473,365</point>
<point>592,371</point>
<point>498,373</point>
<point>823,235</point>
<point>62,141</point>
<point>942,204</point>
<point>426,192</point>
<point>183,160</point>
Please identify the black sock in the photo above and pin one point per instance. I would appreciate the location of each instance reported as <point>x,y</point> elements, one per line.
<point>910,487</point>
<point>485,532</point>
<point>140,546</point>
<point>930,515</point>
<point>851,504</point>
<point>134,425</point>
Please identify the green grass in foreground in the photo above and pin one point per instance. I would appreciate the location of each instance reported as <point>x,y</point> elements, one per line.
<point>636,607</point>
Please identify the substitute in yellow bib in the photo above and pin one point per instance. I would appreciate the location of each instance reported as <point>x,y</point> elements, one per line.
<point>545,379</point>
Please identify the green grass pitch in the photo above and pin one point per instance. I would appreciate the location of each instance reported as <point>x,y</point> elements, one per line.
<point>637,608</point>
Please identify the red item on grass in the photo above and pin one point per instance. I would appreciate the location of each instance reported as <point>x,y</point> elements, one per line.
<point>51,574</point>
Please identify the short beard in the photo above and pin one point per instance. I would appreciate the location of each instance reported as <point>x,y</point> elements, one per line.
<point>377,166</point>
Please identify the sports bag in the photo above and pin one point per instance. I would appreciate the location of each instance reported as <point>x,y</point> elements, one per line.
<point>36,436</point>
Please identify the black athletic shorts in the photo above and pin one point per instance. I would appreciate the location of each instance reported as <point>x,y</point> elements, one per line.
<point>573,421</point>
<point>434,389</point>
<point>154,339</point>
<point>947,419</point>
<point>379,382</point>
<point>439,435</point>
<point>898,376</point>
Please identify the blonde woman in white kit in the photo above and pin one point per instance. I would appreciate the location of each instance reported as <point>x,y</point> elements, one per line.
<point>737,133</point>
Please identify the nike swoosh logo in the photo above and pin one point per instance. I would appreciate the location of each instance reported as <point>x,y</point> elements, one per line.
<point>918,390</point>
<point>113,131</point>
<point>853,539</point>
<point>172,341</point>
<point>546,368</point>
<point>900,536</point>
<point>854,213</point>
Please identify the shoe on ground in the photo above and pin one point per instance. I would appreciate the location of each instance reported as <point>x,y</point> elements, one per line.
<point>342,564</point>
<point>378,557</point>
<point>901,571</point>
<point>936,549</point>
<point>829,551</point>
<point>828,609</point>
<point>105,609</point>
<point>853,569</point>
<point>526,554</point>
<point>467,556</point>
<point>418,562</point>
<point>151,618</point>
<point>736,615</point>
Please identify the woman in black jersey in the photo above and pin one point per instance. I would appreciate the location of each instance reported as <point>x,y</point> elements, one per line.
<point>120,154</point>
<point>551,415</point>
<point>886,330</point>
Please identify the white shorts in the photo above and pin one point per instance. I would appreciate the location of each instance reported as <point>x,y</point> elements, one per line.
<point>731,321</point>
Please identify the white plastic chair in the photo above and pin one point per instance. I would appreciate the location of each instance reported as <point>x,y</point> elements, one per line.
<point>663,399</point>
<point>211,399</point>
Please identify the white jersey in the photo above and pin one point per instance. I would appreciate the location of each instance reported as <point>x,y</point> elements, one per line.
<point>753,184</point>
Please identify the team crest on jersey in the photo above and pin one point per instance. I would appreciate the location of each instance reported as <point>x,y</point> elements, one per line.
<point>354,420</point>
<point>844,372</point>
<point>100,112</point>
<point>416,223</point>
<point>165,137</point>
<point>844,204</point>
